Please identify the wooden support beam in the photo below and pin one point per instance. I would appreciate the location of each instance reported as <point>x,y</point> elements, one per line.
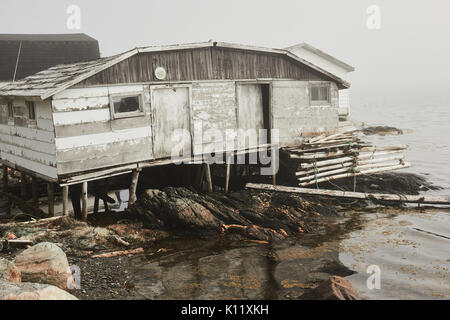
<point>133,186</point>
<point>65,200</point>
<point>199,176</point>
<point>51,199</point>
<point>84,201</point>
<point>440,200</point>
<point>96,203</point>
<point>227,177</point>
<point>208,177</point>
<point>5,189</point>
<point>275,166</point>
<point>34,192</point>
<point>23,185</point>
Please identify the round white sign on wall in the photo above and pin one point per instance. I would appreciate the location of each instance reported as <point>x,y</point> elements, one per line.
<point>160,73</point>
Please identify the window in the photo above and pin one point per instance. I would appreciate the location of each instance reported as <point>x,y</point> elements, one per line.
<point>10,110</point>
<point>320,93</point>
<point>31,110</point>
<point>127,106</point>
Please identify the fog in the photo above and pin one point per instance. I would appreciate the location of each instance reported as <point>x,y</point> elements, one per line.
<point>408,54</point>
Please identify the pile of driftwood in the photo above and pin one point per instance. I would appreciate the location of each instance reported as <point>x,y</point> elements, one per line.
<point>343,155</point>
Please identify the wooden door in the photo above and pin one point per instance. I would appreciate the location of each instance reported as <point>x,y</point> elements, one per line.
<point>170,108</point>
<point>250,112</point>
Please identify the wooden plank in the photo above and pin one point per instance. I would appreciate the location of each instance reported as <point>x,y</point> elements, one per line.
<point>84,201</point>
<point>227,177</point>
<point>51,199</point>
<point>133,186</point>
<point>65,200</point>
<point>34,192</point>
<point>346,175</point>
<point>23,185</point>
<point>440,200</point>
<point>5,189</point>
<point>208,177</point>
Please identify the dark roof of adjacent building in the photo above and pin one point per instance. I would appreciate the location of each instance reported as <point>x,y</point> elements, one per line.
<point>36,52</point>
<point>51,81</point>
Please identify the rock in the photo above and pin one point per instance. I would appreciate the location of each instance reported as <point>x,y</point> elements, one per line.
<point>44,263</point>
<point>335,288</point>
<point>32,291</point>
<point>9,272</point>
<point>241,215</point>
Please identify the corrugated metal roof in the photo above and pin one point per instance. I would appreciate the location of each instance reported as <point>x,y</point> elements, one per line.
<point>49,82</point>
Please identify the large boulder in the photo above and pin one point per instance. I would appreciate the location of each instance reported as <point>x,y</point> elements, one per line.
<point>335,288</point>
<point>32,291</point>
<point>44,263</point>
<point>9,272</point>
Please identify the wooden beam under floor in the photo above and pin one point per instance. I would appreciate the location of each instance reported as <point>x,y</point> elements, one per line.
<point>84,201</point>
<point>133,186</point>
<point>51,199</point>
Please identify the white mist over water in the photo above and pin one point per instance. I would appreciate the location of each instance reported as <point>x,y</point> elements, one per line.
<point>425,118</point>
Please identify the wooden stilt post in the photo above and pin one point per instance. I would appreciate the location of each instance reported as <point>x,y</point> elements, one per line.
<point>34,193</point>
<point>65,200</point>
<point>51,199</point>
<point>208,177</point>
<point>199,176</point>
<point>227,177</point>
<point>133,186</point>
<point>96,202</point>
<point>274,166</point>
<point>5,188</point>
<point>23,185</point>
<point>84,201</point>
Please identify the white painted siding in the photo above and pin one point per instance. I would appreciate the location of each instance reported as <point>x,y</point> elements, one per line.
<point>31,145</point>
<point>88,138</point>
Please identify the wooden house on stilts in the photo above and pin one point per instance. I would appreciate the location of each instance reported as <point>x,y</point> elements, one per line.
<point>75,123</point>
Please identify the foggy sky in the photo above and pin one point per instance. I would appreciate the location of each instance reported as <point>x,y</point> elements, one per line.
<point>410,53</point>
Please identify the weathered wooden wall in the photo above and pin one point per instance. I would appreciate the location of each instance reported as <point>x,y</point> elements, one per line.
<point>293,114</point>
<point>87,138</point>
<point>211,63</point>
<point>29,144</point>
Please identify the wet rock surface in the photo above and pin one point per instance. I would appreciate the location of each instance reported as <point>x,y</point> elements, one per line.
<point>238,215</point>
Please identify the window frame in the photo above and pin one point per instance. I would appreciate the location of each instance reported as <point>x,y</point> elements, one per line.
<point>31,105</point>
<point>132,114</point>
<point>11,112</point>
<point>320,102</point>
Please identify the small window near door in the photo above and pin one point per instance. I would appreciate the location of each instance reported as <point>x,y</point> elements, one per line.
<point>320,94</point>
<point>31,106</point>
<point>10,111</point>
<point>127,106</point>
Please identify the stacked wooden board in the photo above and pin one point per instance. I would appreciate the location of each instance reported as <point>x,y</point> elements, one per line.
<point>342,155</point>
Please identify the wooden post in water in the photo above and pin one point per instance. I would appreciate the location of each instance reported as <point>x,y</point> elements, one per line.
<point>84,201</point>
<point>51,199</point>
<point>34,193</point>
<point>274,166</point>
<point>5,189</point>
<point>133,186</point>
<point>208,177</point>
<point>227,177</point>
<point>23,185</point>
<point>65,200</point>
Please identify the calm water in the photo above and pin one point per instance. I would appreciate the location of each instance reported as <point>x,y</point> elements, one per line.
<point>426,121</point>
<point>412,249</point>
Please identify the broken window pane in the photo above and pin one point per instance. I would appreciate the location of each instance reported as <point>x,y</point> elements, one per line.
<point>126,104</point>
